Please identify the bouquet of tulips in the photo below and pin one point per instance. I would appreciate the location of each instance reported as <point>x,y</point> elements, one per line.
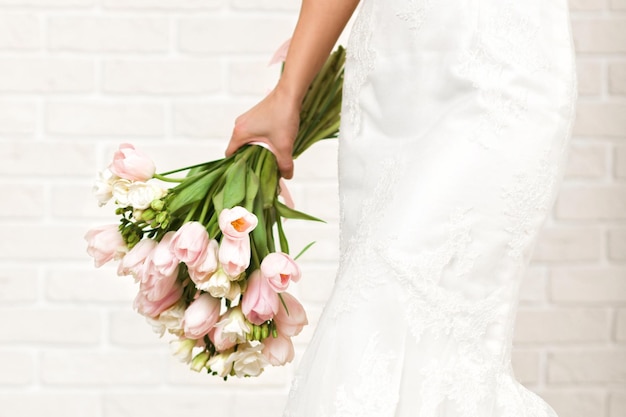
<point>209,251</point>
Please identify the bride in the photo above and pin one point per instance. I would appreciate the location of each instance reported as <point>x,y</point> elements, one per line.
<point>455,128</point>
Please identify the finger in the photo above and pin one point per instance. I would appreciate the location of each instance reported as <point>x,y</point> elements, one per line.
<point>234,143</point>
<point>237,138</point>
<point>231,148</point>
<point>286,168</point>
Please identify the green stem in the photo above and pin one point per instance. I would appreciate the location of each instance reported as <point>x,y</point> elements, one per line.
<point>269,223</point>
<point>162,177</point>
<point>284,244</point>
<point>205,209</point>
<point>186,168</point>
<point>255,256</point>
<point>191,213</point>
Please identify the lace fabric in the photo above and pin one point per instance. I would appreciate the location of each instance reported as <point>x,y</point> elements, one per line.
<point>372,394</point>
<point>360,59</point>
<point>413,13</point>
<point>451,153</point>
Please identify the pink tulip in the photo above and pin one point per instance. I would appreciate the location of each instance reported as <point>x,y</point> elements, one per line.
<point>162,258</point>
<point>132,262</point>
<point>154,284</point>
<point>201,272</point>
<point>190,243</point>
<point>131,164</point>
<point>237,222</point>
<point>259,302</point>
<point>201,316</point>
<point>105,243</point>
<point>281,53</point>
<point>279,268</point>
<point>159,271</point>
<point>279,350</point>
<point>234,255</point>
<point>152,308</point>
<point>290,324</point>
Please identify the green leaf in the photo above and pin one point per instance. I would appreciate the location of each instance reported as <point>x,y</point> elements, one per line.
<point>269,179</point>
<point>306,248</point>
<point>284,244</point>
<point>252,189</point>
<point>213,226</point>
<point>218,200</point>
<point>259,234</point>
<point>235,186</point>
<point>191,191</point>
<point>194,169</point>
<point>290,213</point>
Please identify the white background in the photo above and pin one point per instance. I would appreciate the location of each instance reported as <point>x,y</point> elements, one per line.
<point>78,77</point>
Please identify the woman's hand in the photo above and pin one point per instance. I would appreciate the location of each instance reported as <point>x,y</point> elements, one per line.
<point>274,121</point>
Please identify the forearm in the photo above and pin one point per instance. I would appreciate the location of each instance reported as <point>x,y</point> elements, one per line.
<point>318,28</point>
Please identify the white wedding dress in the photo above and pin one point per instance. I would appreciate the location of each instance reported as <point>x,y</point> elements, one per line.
<point>456,124</point>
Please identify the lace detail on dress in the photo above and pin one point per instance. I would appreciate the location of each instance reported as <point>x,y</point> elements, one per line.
<point>357,269</point>
<point>514,37</point>
<point>442,312</point>
<point>431,305</point>
<point>359,63</point>
<point>414,14</point>
<point>508,39</point>
<point>514,400</point>
<point>372,393</point>
<point>527,200</point>
<point>496,118</point>
<point>462,382</point>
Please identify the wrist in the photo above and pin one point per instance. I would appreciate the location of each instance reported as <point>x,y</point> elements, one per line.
<point>290,94</point>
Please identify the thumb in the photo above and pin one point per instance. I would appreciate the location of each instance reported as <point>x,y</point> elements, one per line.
<point>285,166</point>
<point>238,138</point>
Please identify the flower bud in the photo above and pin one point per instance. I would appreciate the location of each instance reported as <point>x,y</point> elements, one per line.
<point>199,361</point>
<point>265,331</point>
<point>137,214</point>
<point>132,239</point>
<point>157,205</point>
<point>148,214</point>
<point>161,217</point>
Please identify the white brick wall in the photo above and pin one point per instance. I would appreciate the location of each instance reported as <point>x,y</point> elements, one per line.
<point>79,76</point>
